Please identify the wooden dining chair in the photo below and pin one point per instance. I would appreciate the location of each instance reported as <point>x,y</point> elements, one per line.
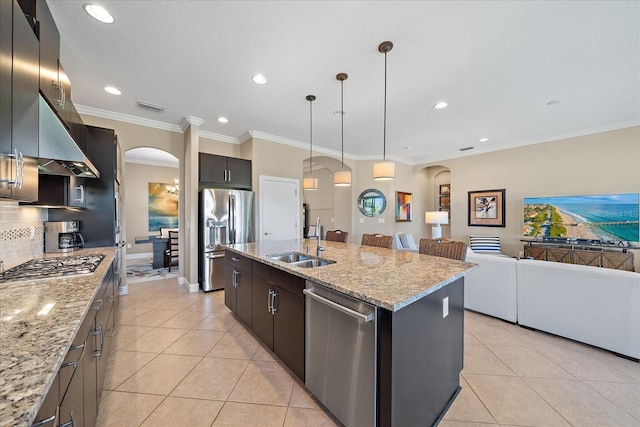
<point>443,248</point>
<point>173,255</point>
<point>377,240</point>
<point>337,236</point>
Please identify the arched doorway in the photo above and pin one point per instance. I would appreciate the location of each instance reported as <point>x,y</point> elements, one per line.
<point>329,203</point>
<point>151,197</point>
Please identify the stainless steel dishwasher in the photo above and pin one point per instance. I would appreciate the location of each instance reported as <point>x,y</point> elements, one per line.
<point>340,354</point>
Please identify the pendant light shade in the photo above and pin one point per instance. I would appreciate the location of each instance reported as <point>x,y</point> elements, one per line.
<point>384,170</point>
<point>310,183</point>
<point>342,177</point>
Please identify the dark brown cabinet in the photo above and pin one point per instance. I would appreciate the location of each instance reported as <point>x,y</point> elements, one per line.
<point>19,56</point>
<point>99,221</point>
<point>224,172</point>
<point>74,397</point>
<point>238,278</point>
<point>58,190</point>
<point>278,314</point>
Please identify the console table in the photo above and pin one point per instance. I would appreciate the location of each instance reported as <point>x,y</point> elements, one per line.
<point>571,252</point>
<point>160,245</point>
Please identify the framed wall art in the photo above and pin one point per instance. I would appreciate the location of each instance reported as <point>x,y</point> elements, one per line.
<point>163,206</point>
<point>487,208</point>
<point>403,206</point>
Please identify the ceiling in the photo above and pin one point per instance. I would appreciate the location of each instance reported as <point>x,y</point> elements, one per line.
<point>497,64</point>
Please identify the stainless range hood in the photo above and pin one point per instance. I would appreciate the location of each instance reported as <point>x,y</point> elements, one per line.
<point>59,153</point>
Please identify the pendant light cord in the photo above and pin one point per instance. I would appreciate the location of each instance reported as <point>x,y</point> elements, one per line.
<point>310,135</point>
<point>384,132</point>
<point>342,118</point>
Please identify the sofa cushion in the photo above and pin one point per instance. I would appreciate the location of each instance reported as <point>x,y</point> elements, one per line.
<point>484,243</point>
<point>491,287</point>
<point>593,305</point>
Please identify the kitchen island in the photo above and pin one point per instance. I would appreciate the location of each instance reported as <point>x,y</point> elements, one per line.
<point>39,321</point>
<point>418,300</point>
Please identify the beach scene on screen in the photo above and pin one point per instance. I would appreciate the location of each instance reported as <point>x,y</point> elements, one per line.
<point>608,217</point>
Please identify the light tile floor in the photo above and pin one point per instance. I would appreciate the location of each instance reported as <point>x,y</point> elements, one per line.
<point>181,359</point>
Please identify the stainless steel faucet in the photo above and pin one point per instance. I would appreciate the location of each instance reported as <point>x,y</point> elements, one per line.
<point>319,248</point>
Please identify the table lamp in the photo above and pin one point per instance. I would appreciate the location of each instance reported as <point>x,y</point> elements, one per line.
<point>436,218</point>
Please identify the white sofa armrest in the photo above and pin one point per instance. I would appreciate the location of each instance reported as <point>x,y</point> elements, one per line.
<point>491,287</point>
<point>597,306</point>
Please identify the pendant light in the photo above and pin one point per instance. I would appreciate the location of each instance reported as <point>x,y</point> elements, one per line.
<point>310,183</point>
<point>342,177</point>
<point>384,170</point>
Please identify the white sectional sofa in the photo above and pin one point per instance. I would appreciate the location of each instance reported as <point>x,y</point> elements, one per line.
<point>597,306</point>
<point>491,287</point>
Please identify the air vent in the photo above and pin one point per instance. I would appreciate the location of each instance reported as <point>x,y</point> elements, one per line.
<point>466,148</point>
<point>150,106</point>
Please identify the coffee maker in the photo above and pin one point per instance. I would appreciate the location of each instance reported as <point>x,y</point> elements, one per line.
<point>62,236</point>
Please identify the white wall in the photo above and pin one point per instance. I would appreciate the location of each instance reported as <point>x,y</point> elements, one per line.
<point>602,163</point>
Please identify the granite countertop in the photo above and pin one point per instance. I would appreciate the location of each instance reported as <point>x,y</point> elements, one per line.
<point>387,278</point>
<point>33,346</point>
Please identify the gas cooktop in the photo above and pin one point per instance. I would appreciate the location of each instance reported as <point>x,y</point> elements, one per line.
<point>42,268</point>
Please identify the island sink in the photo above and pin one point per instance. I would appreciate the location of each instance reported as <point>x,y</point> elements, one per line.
<point>298,259</point>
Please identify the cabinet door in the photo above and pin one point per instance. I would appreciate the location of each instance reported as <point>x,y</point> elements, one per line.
<point>48,413</point>
<point>49,52</point>
<point>262,317</point>
<point>244,297</point>
<point>89,383</point>
<point>239,172</point>
<point>229,289</point>
<point>76,192</point>
<point>64,105</point>
<point>71,407</point>
<point>288,330</point>
<point>213,169</point>
<point>6,163</point>
<point>24,106</point>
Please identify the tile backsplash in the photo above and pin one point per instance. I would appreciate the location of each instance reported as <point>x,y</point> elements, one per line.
<point>21,233</point>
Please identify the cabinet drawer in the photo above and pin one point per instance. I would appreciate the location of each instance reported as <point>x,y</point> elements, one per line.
<point>287,281</point>
<point>239,261</point>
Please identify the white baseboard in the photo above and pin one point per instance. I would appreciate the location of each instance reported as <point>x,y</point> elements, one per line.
<point>140,255</point>
<point>192,287</point>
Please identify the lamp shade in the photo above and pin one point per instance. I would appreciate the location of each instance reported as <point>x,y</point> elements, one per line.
<point>384,171</point>
<point>342,178</point>
<point>436,217</point>
<point>310,184</point>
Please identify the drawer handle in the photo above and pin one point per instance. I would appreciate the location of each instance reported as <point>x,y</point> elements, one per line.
<point>51,419</point>
<point>234,259</point>
<point>273,302</point>
<point>71,422</point>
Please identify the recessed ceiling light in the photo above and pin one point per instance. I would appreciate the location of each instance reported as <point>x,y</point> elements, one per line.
<point>259,79</point>
<point>483,139</point>
<point>553,102</point>
<point>440,105</point>
<point>98,12</point>
<point>223,120</point>
<point>112,90</point>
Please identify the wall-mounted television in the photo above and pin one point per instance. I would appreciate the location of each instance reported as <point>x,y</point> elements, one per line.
<point>606,217</point>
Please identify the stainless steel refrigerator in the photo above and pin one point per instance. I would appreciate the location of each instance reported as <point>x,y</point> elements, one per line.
<point>226,216</point>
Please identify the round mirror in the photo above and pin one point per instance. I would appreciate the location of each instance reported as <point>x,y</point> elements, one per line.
<point>371,202</point>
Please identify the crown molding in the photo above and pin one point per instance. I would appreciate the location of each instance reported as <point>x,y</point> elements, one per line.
<point>156,124</point>
<point>190,121</point>
<point>218,137</point>
<point>297,144</point>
